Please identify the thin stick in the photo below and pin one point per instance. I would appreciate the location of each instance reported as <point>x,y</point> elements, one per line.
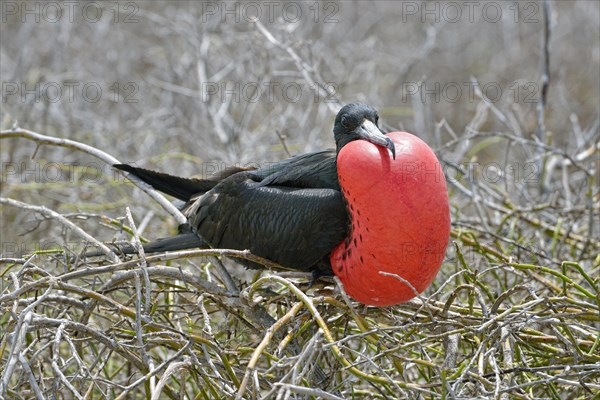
<point>101,155</point>
<point>545,78</point>
<point>54,215</point>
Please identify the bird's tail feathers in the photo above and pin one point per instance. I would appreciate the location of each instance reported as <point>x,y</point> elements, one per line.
<point>180,242</point>
<point>181,188</point>
<point>174,243</point>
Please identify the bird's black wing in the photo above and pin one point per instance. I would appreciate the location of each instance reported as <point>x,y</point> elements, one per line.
<point>311,170</point>
<point>290,212</point>
<point>295,227</point>
<point>178,187</point>
<point>181,188</point>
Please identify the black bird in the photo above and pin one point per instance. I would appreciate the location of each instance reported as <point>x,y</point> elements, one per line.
<point>381,223</point>
<point>291,212</point>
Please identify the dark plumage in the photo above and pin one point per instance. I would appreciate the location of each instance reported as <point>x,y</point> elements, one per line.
<point>291,212</point>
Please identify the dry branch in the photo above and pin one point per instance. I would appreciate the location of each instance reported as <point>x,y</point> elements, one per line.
<point>41,140</point>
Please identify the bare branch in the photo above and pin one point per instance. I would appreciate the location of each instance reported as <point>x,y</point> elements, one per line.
<point>107,158</point>
<point>54,215</point>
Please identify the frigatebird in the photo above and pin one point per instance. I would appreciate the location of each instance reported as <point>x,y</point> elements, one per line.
<point>374,211</point>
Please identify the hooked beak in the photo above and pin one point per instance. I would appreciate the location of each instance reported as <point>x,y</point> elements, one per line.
<point>370,132</point>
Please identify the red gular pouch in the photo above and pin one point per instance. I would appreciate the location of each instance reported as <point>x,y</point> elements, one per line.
<point>400,220</point>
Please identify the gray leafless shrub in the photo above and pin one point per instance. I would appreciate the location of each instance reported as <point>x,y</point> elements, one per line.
<point>507,93</point>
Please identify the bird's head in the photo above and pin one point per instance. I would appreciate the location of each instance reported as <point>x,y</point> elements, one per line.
<point>358,121</point>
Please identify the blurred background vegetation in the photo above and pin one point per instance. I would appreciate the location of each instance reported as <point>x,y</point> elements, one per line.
<point>190,87</point>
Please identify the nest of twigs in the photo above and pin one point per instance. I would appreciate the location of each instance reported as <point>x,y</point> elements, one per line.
<point>514,313</point>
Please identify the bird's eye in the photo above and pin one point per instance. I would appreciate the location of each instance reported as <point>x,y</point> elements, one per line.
<point>376,119</point>
<point>345,122</point>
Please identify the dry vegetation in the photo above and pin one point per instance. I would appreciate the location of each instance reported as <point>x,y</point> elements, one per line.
<point>515,310</point>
